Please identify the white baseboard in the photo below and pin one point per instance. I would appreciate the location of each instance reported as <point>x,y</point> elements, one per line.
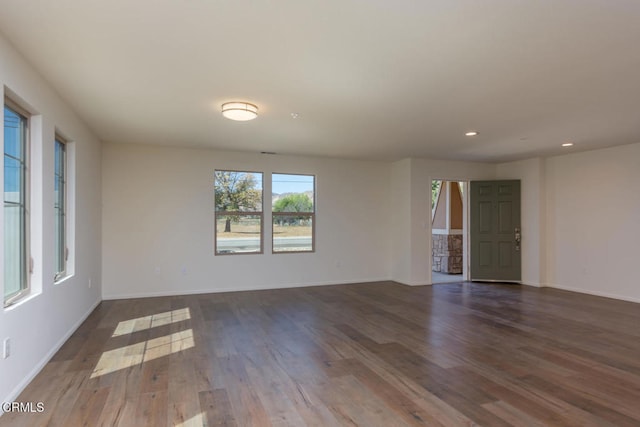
<point>36,370</point>
<point>595,293</point>
<point>414,283</point>
<point>170,293</point>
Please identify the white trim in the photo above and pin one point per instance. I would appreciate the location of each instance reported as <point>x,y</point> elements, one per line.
<point>456,232</point>
<point>466,224</point>
<point>21,301</point>
<point>447,207</point>
<point>36,370</point>
<point>413,283</point>
<point>594,293</point>
<point>63,279</point>
<point>240,289</point>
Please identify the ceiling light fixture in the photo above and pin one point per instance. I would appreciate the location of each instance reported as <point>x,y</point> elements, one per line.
<point>567,144</point>
<point>471,133</point>
<point>239,111</point>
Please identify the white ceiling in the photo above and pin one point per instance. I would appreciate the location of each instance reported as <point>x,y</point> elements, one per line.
<point>370,79</point>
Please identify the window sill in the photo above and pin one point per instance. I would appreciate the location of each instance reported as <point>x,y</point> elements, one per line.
<point>62,279</point>
<point>21,301</point>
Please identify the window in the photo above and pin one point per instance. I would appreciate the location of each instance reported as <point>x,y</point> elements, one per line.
<point>293,207</point>
<point>60,208</point>
<point>238,215</point>
<point>16,186</point>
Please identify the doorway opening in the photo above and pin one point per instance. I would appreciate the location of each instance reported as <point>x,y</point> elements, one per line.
<point>449,252</point>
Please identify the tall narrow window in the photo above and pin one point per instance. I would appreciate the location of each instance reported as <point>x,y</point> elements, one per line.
<point>60,207</point>
<point>16,269</point>
<point>238,216</point>
<point>293,207</point>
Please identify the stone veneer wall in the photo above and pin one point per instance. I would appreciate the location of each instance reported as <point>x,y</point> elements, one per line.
<point>447,253</point>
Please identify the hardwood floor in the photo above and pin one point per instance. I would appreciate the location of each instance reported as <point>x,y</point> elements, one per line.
<point>373,354</point>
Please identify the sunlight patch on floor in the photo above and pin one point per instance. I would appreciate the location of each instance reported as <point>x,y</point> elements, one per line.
<point>195,421</point>
<point>152,321</point>
<point>136,354</point>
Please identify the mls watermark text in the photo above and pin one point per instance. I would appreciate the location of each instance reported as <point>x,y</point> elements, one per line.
<point>23,407</point>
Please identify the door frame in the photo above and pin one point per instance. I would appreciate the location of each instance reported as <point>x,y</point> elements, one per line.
<point>466,224</point>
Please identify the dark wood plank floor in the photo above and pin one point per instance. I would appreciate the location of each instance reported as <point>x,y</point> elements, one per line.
<point>375,354</point>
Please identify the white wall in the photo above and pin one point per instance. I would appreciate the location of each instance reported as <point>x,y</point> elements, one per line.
<point>158,223</point>
<point>159,198</point>
<point>593,222</point>
<point>531,175</point>
<point>400,241</point>
<point>39,324</point>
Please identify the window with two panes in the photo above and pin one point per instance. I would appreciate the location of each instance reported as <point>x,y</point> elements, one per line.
<point>239,212</point>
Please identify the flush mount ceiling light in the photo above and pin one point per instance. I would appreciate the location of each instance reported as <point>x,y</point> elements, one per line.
<point>567,144</point>
<point>239,111</point>
<point>472,133</point>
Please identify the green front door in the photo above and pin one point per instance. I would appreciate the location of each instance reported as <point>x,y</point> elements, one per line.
<point>495,231</point>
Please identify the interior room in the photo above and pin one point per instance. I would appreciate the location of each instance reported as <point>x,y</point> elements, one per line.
<point>164,264</point>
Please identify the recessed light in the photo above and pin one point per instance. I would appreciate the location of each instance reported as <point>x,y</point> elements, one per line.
<point>472,133</point>
<point>567,144</point>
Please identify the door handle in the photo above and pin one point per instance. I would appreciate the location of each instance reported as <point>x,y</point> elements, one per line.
<point>518,238</point>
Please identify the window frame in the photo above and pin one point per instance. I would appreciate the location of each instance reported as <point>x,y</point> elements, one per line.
<point>259,214</point>
<point>61,251</point>
<point>311,215</point>
<point>26,262</point>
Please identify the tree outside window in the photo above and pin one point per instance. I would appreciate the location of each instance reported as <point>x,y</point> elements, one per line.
<point>238,212</point>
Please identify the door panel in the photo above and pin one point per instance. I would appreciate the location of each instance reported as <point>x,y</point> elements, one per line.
<point>485,217</point>
<point>494,218</point>
<point>505,254</point>
<point>504,190</point>
<point>484,254</point>
<point>505,213</point>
